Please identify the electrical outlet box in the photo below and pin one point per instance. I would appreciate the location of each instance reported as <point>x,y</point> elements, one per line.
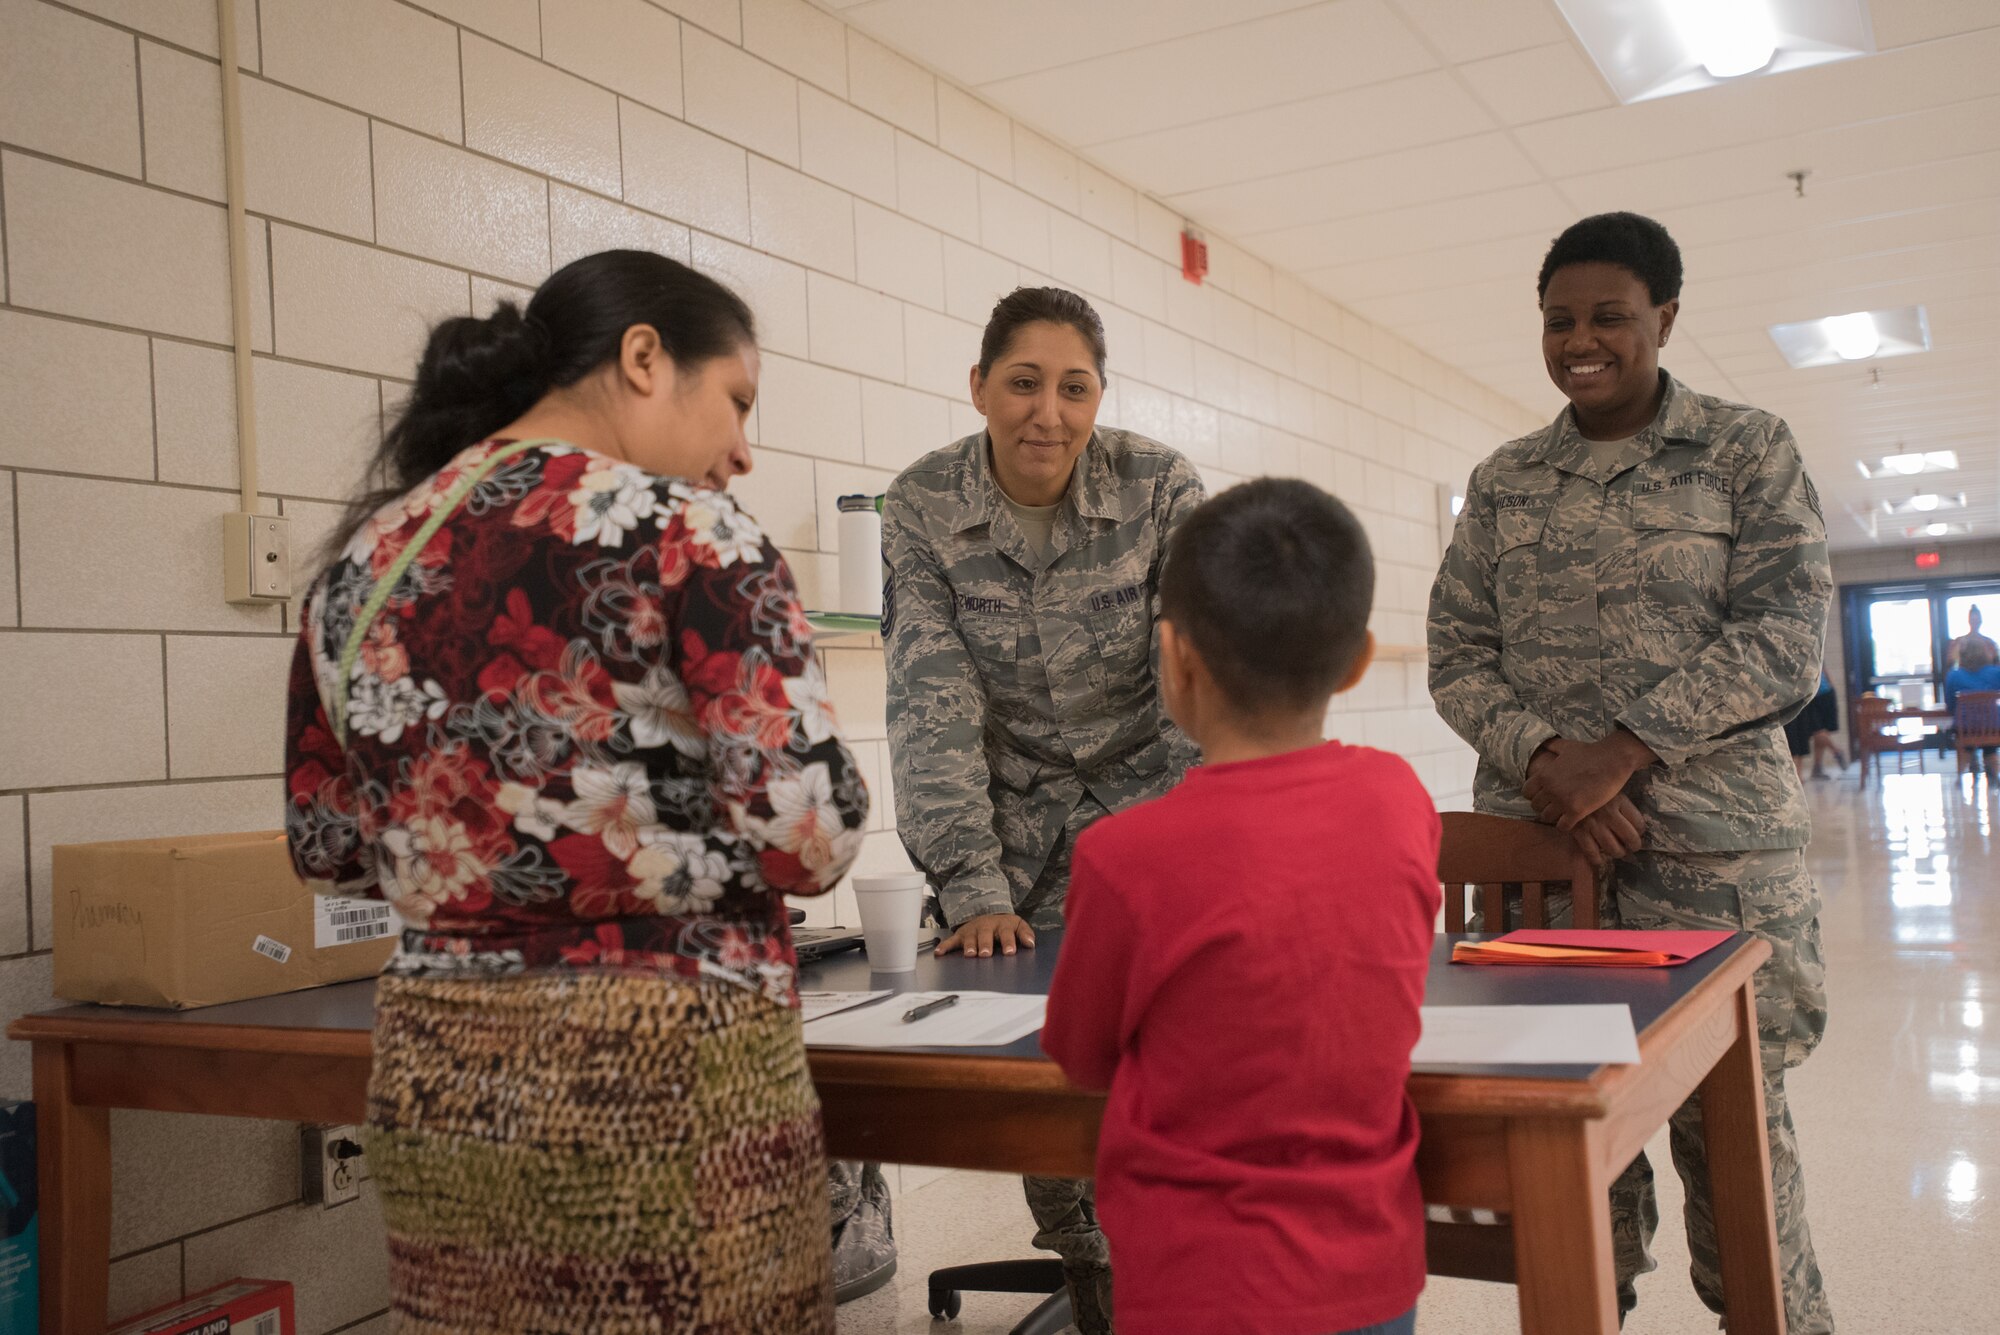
<point>331,1165</point>
<point>256,559</point>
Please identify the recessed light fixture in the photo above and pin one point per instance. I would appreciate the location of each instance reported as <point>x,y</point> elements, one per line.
<point>1910,464</point>
<point>1729,37</point>
<point>1937,528</point>
<point>1923,503</point>
<point>1853,336</point>
<point>1657,48</point>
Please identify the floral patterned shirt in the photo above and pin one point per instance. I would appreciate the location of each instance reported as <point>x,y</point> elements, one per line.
<point>587,730</point>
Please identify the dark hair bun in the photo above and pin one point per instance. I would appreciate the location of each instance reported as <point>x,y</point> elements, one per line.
<point>479,376</point>
<point>503,358</point>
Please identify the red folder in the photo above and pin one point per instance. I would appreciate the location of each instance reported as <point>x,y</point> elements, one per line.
<point>1603,950</point>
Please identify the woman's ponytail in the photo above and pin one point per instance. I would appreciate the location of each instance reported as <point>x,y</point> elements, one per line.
<point>477,375</point>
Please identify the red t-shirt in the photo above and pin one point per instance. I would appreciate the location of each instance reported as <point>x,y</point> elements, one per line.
<point>1242,967</point>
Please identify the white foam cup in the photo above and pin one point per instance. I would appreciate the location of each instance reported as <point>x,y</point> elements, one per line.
<point>891,908</point>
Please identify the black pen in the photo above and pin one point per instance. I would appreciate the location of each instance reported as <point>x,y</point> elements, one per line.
<point>929,1008</point>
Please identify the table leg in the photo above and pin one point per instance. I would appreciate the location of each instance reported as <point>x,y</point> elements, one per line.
<point>1562,1227</point>
<point>75,1188</point>
<point>1739,1176</point>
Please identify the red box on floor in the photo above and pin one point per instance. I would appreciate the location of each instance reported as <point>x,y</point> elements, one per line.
<point>238,1307</point>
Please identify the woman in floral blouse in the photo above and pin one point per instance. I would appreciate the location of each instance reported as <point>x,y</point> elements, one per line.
<point>556,701</point>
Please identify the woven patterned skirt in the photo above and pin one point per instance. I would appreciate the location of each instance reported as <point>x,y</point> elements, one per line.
<point>595,1153</point>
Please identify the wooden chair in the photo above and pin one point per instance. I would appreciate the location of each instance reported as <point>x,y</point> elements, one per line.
<point>1871,736</point>
<point>1500,859</point>
<point>1976,719</point>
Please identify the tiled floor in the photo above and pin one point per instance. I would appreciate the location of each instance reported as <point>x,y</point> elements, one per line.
<point>1898,1111</point>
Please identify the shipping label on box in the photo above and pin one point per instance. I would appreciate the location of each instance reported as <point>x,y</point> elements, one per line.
<point>238,1307</point>
<point>203,919</point>
<point>346,922</point>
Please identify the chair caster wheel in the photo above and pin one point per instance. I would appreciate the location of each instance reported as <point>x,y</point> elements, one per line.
<point>945,1304</point>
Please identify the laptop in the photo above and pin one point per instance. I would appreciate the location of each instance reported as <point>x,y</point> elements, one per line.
<point>816,943</point>
<point>812,944</point>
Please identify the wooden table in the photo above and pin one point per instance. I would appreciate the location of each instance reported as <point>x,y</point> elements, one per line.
<point>1885,734</point>
<point>1541,1144</point>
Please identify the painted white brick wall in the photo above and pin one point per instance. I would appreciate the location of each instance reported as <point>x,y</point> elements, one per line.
<point>407,161</point>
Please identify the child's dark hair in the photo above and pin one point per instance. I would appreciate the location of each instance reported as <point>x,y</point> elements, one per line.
<point>1026,305</point>
<point>1629,240</point>
<point>477,375</point>
<point>1272,582</point>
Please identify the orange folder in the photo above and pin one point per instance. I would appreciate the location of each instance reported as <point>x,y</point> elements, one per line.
<point>1603,950</point>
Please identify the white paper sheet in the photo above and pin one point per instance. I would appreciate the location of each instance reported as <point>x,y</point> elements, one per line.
<point>978,1020</point>
<point>1526,1035</point>
<point>812,1005</point>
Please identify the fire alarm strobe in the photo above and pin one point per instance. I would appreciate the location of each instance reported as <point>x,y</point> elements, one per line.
<point>1194,256</point>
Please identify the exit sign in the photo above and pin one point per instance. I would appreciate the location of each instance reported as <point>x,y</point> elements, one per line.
<point>1927,560</point>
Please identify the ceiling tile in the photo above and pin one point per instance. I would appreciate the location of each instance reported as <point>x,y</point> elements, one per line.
<point>1363,122</point>
<point>1393,180</point>
<point>968,41</point>
<point>1463,31</point>
<point>1515,257</point>
<point>1902,22</point>
<point>1749,306</point>
<point>1521,209</point>
<point>1893,83</point>
<point>1839,216</point>
<point>1828,153</point>
<point>1261,63</point>
<point>1538,84</point>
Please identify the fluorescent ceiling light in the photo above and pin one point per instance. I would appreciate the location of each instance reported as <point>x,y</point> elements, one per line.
<point>1833,340</point>
<point>1854,336</point>
<point>1937,528</point>
<point>1924,503</point>
<point>1657,48</point>
<point>1910,464</point>
<point>1728,37</point>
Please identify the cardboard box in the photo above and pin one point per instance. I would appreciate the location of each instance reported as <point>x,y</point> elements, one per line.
<point>239,1307</point>
<point>203,919</point>
<point>20,1249</point>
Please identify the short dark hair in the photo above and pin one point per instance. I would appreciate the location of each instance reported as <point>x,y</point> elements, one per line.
<point>1027,305</point>
<point>1973,655</point>
<point>478,374</point>
<point>1271,582</point>
<point>1629,240</point>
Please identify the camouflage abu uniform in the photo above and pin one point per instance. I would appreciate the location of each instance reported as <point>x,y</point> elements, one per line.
<point>1023,703</point>
<point>1675,584</point>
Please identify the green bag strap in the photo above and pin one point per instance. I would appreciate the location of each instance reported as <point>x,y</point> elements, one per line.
<point>378,595</point>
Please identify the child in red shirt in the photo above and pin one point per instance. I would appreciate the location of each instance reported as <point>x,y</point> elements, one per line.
<point>1244,957</point>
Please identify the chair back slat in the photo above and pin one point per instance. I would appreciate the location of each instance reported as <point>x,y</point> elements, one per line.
<point>1454,909</point>
<point>1976,720</point>
<point>1532,903</point>
<point>1497,857</point>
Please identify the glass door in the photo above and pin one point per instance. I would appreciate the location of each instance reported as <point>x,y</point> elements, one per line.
<point>1901,662</point>
<point>1901,637</point>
